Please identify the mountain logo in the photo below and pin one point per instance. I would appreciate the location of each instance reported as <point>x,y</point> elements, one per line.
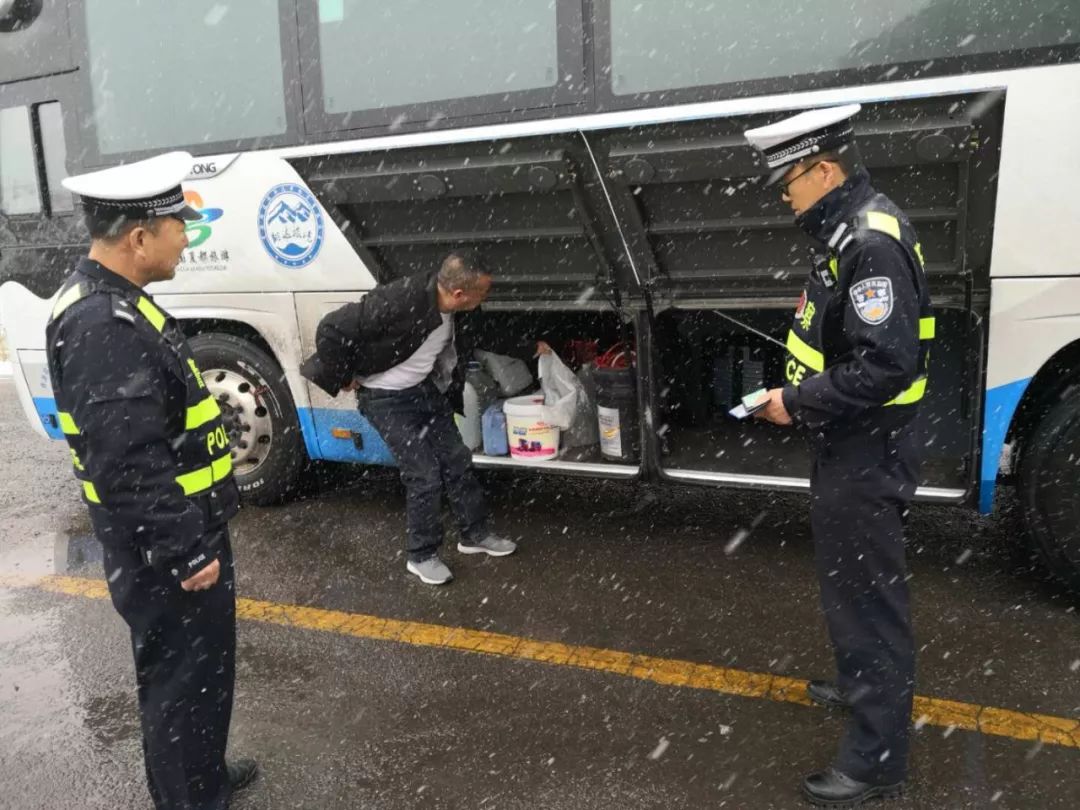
<point>291,225</point>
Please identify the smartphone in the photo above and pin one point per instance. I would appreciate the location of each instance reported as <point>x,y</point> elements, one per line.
<point>749,405</point>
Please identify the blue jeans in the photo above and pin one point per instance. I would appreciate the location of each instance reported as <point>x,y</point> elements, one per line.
<point>417,425</point>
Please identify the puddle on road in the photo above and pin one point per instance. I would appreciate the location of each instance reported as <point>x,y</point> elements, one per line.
<point>50,553</point>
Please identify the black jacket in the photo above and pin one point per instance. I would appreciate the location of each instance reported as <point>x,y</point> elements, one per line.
<point>124,386</point>
<point>383,329</point>
<point>865,365</point>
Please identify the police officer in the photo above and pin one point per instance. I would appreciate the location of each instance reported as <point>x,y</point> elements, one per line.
<point>856,371</point>
<point>152,457</point>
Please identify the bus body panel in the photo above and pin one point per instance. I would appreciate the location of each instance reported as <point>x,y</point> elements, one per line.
<point>1031,319</point>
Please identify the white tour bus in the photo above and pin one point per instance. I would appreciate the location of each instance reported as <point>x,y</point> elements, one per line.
<point>593,150</point>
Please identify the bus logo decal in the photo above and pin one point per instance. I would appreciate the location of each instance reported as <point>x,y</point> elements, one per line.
<point>199,230</point>
<point>291,225</point>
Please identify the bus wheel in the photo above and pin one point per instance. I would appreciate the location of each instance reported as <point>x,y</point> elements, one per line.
<point>1049,492</point>
<point>259,415</point>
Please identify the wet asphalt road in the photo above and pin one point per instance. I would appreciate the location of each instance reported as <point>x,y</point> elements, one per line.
<point>343,722</point>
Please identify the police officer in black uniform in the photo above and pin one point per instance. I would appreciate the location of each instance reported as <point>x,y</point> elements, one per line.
<point>856,371</point>
<point>152,456</point>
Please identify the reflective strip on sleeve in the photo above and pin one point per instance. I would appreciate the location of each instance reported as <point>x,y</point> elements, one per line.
<point>927,328</point>
<point>886,223</point>
<point>205,477</point>
<point>912,394</point>
<point>90,492</point>
<point>151,313</point>
<point>804,353</point>
<point>222,467</point>
<point>67,424</point>
<point>69,297</point>
<point>199,415</point>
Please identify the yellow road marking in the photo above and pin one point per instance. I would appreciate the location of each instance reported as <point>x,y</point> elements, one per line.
<point>1048,729</point>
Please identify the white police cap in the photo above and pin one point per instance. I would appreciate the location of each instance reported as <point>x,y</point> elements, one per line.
<point>802,136</point>
<point>148,188</point>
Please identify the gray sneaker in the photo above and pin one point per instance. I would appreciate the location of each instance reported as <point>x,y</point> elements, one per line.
<point>492,544</point>
<point>431,571</point>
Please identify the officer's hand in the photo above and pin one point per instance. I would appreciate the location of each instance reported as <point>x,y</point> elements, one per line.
<point>203,580</point>
<point>774,410</point>
<point>351,386</point>
<point>542,348</point>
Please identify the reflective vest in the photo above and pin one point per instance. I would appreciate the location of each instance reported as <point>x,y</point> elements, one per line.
<point>805,341</point>
<point>201,447</point>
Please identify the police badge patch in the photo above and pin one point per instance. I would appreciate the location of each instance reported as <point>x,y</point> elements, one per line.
<point>873,299</point>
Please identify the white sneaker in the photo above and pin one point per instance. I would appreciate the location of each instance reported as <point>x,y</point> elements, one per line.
<point>492,545</point>
<point>431,571</point>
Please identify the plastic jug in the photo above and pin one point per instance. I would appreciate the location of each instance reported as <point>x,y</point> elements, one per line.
<point>494,430</point>
<point>480,391</point>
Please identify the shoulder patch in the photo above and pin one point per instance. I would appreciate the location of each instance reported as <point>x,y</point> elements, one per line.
<point>122,309</point>
<point>873,299</point>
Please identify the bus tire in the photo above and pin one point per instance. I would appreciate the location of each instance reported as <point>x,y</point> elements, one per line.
<point>1049,493</point>
<point>259,415</point>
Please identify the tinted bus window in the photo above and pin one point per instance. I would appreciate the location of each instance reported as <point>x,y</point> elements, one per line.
<point>173,74</point>
<point>376,54</point>
<point>19,190</point>
<point>51,122</point>
<point>712,42</point>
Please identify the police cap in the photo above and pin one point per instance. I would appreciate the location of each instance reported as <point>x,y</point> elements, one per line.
<point>786,142</point>
<point>136,191</point>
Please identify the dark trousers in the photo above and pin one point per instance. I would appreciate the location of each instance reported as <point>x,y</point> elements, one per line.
<point>861,486</point>
<point>417,425</point>
<point>185,662</point>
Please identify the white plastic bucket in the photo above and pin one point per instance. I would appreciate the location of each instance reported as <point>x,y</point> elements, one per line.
<point>529,437</point>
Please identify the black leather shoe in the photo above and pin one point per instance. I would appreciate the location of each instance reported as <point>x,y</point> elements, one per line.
<point>242,772</point>
<point>827,694</point>
<point>834,789</point>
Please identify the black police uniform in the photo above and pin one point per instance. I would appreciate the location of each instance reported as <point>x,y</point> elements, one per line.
<point>856,370</point>
<point>152,455</point>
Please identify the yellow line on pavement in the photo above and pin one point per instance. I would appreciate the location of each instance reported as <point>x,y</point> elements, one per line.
<point>669,672</point>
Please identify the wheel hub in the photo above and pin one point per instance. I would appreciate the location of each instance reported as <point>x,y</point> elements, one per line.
<point>244,415</point>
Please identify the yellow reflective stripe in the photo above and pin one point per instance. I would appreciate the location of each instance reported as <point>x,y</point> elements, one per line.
<point>151,313</point>
<point>67,424</point>
<point>918,254</point>
<point>222,467</point>
<point>199,415</point>
<point>912,394</point>
<point>886,223</point>
<point>75,460</point>
<point>67,299</point>
<point>927,328</point>
<point>203,478</point>
<point>90,492</point>
<point>804,353</point>
<point>834,267</point>
<point>196,481</point>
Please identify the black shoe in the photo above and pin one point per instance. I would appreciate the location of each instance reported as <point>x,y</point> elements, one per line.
<point>834,789</point>
<point>242,772</point>
<point>828,695</point>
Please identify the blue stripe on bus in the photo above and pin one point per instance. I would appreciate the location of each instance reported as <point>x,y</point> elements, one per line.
<point>46,410</point>
<point>1000,406</point>
<point>317,425</point>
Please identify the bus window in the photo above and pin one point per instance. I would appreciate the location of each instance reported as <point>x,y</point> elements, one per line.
<point>51,123</point>
<point>167,74</point>
<point>377,54</point>
<point>712,42</point>
<point>19,190</point>
<point>369,63</point>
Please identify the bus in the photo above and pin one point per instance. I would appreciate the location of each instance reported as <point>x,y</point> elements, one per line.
<point>593,150</point>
